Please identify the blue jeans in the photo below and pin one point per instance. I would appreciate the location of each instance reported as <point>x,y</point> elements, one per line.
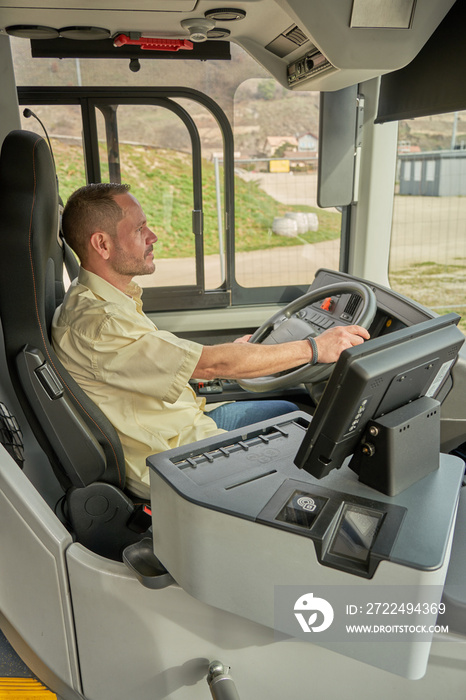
<point>235,415</point>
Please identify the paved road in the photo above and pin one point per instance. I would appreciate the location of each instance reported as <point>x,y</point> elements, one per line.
<point>287,188</point>
<point>275,266</point>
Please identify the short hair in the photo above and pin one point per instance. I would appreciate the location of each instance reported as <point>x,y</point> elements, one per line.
<point>91,208</point>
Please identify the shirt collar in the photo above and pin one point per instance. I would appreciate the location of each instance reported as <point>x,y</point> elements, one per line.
<point>108,292</point>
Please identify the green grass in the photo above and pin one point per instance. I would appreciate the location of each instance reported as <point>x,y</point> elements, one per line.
<point>162,181</point>
<point>437,286</point>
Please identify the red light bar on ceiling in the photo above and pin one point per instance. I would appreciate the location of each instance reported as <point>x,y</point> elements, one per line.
<point>151,44</point>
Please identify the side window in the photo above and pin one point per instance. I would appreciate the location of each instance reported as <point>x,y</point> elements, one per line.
<point>428,246</point>
<point>161,169</point>
<point>65,139</point>
<point>282,236</point>
<point>237,222</point>
<point>161,177</point>
<point>167,148</point>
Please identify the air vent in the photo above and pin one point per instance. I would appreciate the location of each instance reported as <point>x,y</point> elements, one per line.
<point>296,35</point>
<point>454,350</point>
<point>377,382</point>
<point>286,42</point>
<point>351,306</point>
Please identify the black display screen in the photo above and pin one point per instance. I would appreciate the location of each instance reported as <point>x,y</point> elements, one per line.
<point>372,379</point>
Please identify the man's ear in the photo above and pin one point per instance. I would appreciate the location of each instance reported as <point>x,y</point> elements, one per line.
<point>101,243</point>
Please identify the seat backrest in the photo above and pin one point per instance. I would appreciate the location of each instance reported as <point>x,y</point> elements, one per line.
<point>80,442</point>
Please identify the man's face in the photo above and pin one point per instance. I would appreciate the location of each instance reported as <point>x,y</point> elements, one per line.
<point>132,249</point>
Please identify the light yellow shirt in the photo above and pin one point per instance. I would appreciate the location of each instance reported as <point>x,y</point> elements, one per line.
<point>135,373</point>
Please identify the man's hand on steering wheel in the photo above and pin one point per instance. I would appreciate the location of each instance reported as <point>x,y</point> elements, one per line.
<point>287,325</point>
<point>271,348</point>
<point>332,342</point>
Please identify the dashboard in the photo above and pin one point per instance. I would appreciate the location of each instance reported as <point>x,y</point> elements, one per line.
<point>394,312</point>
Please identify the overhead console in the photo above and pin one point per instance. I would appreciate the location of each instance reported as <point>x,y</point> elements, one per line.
<point>314,63</point>
<point>304,44</point>
<point>350,42</point>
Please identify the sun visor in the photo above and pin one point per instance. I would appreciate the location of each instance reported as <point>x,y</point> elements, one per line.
<point>432,82</point>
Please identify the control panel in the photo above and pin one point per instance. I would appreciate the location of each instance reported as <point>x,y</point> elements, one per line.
<point>340,309</point>
<point>313,63</point>
<point>349,533</point>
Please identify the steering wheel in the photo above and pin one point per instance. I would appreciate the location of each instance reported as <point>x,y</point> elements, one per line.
<point>286,326</point>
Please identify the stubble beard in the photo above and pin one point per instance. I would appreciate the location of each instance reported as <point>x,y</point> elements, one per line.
<point>130,266</point>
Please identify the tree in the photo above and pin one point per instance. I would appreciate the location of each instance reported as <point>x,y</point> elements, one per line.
<point>266,90</point>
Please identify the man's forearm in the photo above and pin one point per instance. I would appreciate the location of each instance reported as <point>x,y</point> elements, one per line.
<point>246,360</point>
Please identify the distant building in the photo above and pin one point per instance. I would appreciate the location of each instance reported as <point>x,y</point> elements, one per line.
<point>406,147</point>
<point>290,146</point>
<point>272,143</point>
<point>434,173</point>
<point>308,142</point>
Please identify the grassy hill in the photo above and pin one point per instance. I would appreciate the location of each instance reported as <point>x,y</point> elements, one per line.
<point>161,180</point>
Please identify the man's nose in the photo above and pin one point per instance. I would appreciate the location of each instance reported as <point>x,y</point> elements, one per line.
<point>152,237</point>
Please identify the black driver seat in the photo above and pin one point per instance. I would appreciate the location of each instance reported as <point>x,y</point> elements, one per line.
<point>81,444</point>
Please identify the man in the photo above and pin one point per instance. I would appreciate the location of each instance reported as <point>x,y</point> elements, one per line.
<point>137,374</point>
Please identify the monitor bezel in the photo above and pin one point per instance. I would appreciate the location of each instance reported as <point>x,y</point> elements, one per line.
<point>327,444</point>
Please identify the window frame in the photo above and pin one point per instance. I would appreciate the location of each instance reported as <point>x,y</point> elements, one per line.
<point>230,292</point>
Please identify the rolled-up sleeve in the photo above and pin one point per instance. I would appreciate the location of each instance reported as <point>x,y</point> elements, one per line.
<point>145,361</point>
